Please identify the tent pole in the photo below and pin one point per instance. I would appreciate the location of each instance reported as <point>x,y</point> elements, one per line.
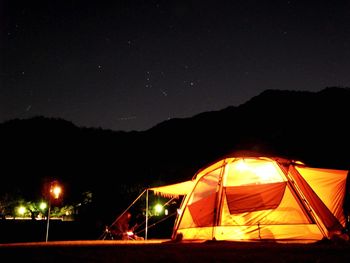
<point>115,221</point>
<point>146,230</point>
<point>128,208</point>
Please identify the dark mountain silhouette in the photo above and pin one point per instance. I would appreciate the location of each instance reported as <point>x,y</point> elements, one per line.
<point>115,166</point>
<point>296,124</point>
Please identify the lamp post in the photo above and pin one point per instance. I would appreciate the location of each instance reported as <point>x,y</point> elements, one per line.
<point>55,192</point>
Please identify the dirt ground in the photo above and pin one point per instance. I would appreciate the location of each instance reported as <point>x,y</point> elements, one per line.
<point>167,252</point>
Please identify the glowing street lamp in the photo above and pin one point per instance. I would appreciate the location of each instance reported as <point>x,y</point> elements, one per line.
<point>55,192</point>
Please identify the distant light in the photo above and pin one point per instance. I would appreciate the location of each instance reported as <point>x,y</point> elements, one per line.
<point>158,208</point>
<point>43,206</point>
<point>166,212</point>
<point>21,210</point>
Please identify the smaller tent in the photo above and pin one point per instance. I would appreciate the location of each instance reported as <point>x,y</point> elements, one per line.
<point>249,198</point>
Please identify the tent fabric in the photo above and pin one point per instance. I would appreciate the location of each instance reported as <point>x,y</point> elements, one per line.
<point>201,215</point>
<point>254,197</point>
<point>173,190</point>
<point>330,186</point>
<point>260,198</point>
<point>330,222</point>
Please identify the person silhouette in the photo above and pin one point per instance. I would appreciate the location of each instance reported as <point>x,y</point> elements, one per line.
<point>121,226</point>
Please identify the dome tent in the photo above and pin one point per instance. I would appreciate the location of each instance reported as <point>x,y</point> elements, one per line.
<point>249,198</point>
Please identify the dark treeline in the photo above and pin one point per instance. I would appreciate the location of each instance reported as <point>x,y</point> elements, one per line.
<point>115,166</point>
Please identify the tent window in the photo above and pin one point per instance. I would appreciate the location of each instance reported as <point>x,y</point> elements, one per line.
<point>252,171</point>
<point>207,185</point>
<point>251,198</point>
<point>201,204</point>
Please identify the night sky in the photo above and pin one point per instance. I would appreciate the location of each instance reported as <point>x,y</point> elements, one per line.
<point>129,65</point>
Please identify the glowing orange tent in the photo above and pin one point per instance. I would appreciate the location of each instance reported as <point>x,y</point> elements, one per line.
<point>260,198</point>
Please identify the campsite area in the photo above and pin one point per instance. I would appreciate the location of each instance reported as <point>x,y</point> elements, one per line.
<point>165,251</point>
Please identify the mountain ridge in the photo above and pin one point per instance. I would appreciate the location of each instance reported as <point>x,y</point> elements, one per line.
<point>306,126</point>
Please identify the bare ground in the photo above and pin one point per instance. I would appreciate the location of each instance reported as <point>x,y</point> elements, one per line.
<point>167,252</point>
